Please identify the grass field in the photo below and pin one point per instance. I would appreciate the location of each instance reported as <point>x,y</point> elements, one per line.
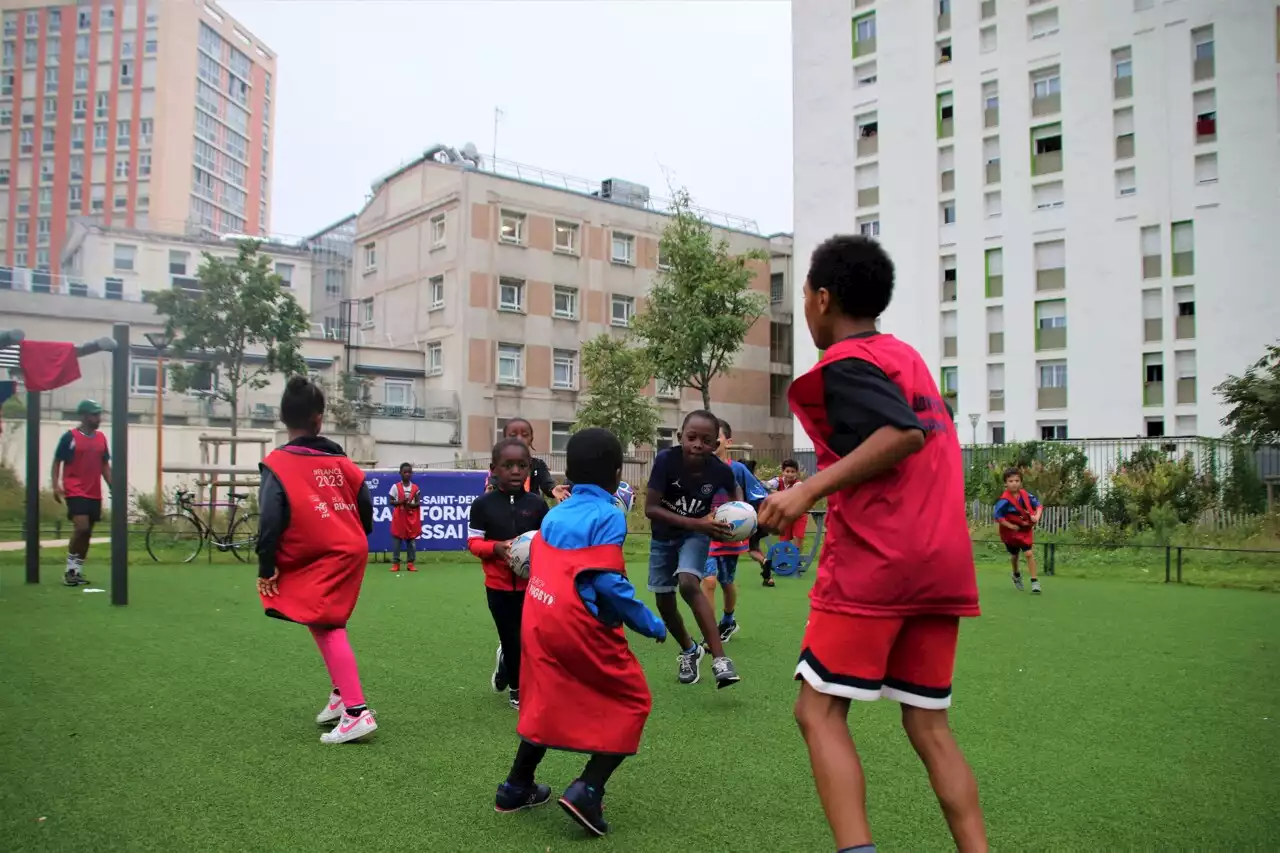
<point>1099,715</point>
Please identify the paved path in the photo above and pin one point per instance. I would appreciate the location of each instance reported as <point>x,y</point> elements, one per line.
<point>51,543</point>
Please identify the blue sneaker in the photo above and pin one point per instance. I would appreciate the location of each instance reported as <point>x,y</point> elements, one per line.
<point>586,806</point>
<point>513,798</point>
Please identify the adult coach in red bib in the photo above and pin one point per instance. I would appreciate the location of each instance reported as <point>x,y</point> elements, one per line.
<point>80,464</point>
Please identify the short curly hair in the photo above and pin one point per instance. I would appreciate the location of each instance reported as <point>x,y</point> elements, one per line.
<point>857,273</point>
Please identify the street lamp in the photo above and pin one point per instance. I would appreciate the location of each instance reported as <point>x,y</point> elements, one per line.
<point>161,342</point>
<point>973,422</point>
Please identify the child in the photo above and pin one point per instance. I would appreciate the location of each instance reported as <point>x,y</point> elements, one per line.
<point>787,479</point>
<point>896,570</point>
<point>496,518</point>
<point>1017,512</point>
<point>540,479</point>
<point>316,515</point>
<point>584,690</point>
<point>406,520</point>
<point>80,464</point>
<point>725,554</point>
<point>682,484</point>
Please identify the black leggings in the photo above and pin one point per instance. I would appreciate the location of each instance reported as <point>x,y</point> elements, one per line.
<point>597,772</point>
<point>506,606</point>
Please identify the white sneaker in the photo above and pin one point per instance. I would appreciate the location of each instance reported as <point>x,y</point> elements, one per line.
<point>351,728</point>
<point>331,711</point>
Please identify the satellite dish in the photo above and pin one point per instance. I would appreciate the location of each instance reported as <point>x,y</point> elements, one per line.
<point>469,152</point>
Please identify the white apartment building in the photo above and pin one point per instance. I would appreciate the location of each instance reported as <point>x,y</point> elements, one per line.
<point>1080,197</point>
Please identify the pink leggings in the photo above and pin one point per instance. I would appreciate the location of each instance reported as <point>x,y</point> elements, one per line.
<point>335,648</point>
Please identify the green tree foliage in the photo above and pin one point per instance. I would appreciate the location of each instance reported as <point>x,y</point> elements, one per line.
<point>346,402</point>
<point>1057,473</point>
<point>617,376</point>
<point>1150,490</point>
<point>1254,401</point>
<point>701,304</point>
<point>241,309</point>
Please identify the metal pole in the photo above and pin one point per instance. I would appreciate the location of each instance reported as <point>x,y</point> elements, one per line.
<point>33,487</point>
<point>120,466</point>
<point>160,386</point>
<point>1179,565</point>
<point>1168,554</point>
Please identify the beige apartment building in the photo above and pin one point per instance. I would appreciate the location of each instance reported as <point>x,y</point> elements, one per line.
<point>496,277</point>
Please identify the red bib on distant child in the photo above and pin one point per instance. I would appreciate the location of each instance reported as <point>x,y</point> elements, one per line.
<point>1022,503</point>
<point>406,522</point>
<point>897,545</point>
<point>581,688</point>
<point>323,552</point>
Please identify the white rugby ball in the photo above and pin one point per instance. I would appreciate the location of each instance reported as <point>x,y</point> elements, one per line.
<point>741,518</point>
<point>518,555</point>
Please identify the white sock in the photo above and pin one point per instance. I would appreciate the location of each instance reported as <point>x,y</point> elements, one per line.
<point>74,564</point>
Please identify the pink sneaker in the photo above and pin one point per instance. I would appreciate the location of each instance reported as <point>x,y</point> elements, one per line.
<point>351,728</point>
<point>331,711</point>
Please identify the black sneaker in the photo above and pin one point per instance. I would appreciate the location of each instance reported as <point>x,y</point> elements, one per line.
<point>726,675</point>
<point>513,798</point>
<point>1017,581</point>
<point>689,666</point>
<point>586,806</point>
<point>70,579</point>
<point>514,698</point>
<point>82,580</point>
<point>498,681</point>
<point>727,630</point>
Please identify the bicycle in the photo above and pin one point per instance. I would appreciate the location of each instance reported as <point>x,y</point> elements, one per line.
<point>178,537</point>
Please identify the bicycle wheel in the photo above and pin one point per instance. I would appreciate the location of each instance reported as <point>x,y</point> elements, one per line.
<point>175,538</point>
<point>243,538</point>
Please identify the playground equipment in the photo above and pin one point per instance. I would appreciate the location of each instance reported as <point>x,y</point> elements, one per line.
<point>786,558</point>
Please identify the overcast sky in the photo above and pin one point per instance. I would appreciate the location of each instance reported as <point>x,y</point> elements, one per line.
<point>591,88</point>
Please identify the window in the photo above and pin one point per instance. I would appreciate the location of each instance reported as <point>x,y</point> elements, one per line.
<point>947,169</point>
<point>1042,24</point>
<point>942,51</point>
<point>46,140</point>
<point>106,17</point>
<point>24,202</point>
<point>512,227</point>
<point>144,164</point>
<point>21,233</point>
<point>666,438</point>
<point>1046,95</point>
<point>1184,365</point>
<point>4,176</point>
<point>6,84</point>
<point>1205,106</point>
<point>6,116</point>
<point>1051,324</point>
<point>1206,168</point>
<point>865,74</point>
<point>996,432</point>
<point>437,231</point>
<point>28,112</point>
<point>82,48</point>
<point>867,180</point>
<point>81,77</point>
<point>672,392</point>
<point>1184,254</point>
<point>944,14</point>
<point>995,387</point>
<point>1155,427</point>
<point>1053,374</point>
<point>30,53</point>
<point>510,294</point>
<point>1150,243</point>
<point>560,432</point>
<point>946,115</point>
<point>1122,72</point>
<point>1052,432</point>
<point>178,262</point>
<point>10,24</point>
<point>869,226</point>
<point>1126,182</point>
<point>987,39</point>
<point>102,105</point>
<point>565,303</point>
<point>1046,147</point>
<point>948,213</point>
<point>864,35</point>
<point>366,313</point>
<point>566,237</point>
<point>621,310</point>
<point>949,282</point>
<point>145,128</point>
<point>1184,320</point>
<point>123,256</point>
<point>950,384</point>
<point>868,134</point>
<point>995,330</point>
<point>79,108</point>
<point>564,369</point>
<point>1047,196</point>
<point>1202,53</point>
<point>435,358</point>
<point>777,284</point>
<point>100,135</point>
<point>144,378</point>
<point>52,47</point>
<point>285,271</point>
<point>122,134</point>
<point>510,364</point>
<point>1122,123</point>
<point>126,73</point>
<point>397,393</point>
<point>624,249</point>
<point>370,257</point>
<point>949,334</point>
<point>780,343</point>
<point>1051,262</point>
<point>992,205</point>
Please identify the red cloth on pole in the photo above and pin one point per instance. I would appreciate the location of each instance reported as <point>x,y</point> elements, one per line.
<point>48,364</point>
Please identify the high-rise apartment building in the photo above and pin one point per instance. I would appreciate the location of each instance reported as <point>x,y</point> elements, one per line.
<point>1079,197</point>
<point>148,114</point>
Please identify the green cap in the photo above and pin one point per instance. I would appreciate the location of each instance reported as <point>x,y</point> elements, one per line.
<point>89,407</point>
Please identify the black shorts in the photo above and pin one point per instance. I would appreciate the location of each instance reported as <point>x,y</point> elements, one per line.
<point>84,506</point>
<point>1016,548</point>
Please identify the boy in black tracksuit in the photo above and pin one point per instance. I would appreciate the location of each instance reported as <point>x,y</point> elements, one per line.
<point>496,518</point>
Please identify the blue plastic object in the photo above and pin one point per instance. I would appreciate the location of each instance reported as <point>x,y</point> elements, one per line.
<point>785,558</point>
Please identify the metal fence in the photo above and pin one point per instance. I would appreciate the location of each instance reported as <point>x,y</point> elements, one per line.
<point>1058,519</point>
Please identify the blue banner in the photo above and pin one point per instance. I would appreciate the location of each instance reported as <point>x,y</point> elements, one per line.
<point>446,502</point>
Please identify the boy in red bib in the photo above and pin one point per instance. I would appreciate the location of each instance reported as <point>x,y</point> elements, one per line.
<point>896,571</point>
<point>583,689</point>
<point>789,478</point>
<point>406,520</point>
<point>1017,512</point>
<point>312,549</point>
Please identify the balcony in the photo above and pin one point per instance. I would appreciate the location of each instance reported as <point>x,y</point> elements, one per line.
<point>988,9</point>
<point>863,48</point>
<point>1052,338</point>
<point>995,343</point>
<point>1153,394</point>
<point>995,286</point>
<point>991,117</point>
<point>869,197</point>
<point>949,347</point>
<point>993,172</point>
<point>1203,69</point>
<point>1047,163</point>
<point>944,24</point>
<point>1051,398</point>
<point>868,145</point>
<point>949,290</point>
<point>1152,330</point>
<point>1207,128</point>
<point>1151,266</point>
<point>952,400</point>
<point>1122,87</point>
<point>1184,263</point>
<point>1187,390</point>
<point>1051,279</point>
<point>948,181</point>
<point>1047,105</point>
<point>995,401</point>
<point>946,128</point>
<point>1124,146</point>
<point>1184,326</point>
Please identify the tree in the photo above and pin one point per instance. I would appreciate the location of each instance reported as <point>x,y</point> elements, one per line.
<point>617,375</point>
<point>239,310</point>
<point>346,402</point>
<point>701,304</point>
<point>1254,399</point>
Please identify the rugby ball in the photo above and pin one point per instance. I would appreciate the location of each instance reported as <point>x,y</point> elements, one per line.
<point>625,497</point>
<point>741,518</point>
<point>518,555</point>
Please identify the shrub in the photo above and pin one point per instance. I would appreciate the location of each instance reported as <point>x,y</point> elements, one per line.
<point>1242,489</point>
<point>1151,491</point>
<point>1057,473</point>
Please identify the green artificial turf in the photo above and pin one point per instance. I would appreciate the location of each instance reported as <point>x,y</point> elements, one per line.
<point>1099,715</point>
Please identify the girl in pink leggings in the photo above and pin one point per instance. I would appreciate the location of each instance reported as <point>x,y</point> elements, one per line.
<point>312,549</point>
